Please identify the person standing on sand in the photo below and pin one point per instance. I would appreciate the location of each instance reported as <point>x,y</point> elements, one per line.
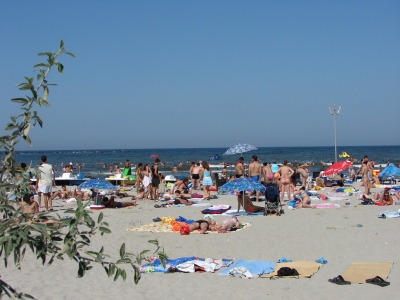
<point>44,183</point>
<point>303,175</point>
<point>206,177</point>
<point>365,171</point>
<point>239,168</point>
<point>267,172</point>
<point>285,172</point>
<point>156,179</point>
<point>196,176</point>
<point>255,172</point>
<point>139,177</point>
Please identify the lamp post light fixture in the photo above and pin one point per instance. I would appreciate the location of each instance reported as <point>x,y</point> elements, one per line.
<point>334,111</point>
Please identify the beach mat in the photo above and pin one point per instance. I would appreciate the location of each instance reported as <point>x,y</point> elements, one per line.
<point>358,272</point>
<point>305,268</point>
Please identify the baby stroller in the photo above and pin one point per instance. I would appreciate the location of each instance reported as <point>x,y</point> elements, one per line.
<point>272,199</point>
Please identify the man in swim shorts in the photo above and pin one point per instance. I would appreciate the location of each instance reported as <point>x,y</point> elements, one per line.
<point>155,178</point>
<point>255,172</point>
<point>303,175</point>
<point>110,203</point>
<point>239,168</point>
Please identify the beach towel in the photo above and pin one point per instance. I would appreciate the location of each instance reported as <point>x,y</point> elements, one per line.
<point>167,228</point>
<point>255,267</point>
<point>304,268</point>
<point>233,212</point>
<point>325,205</point>
<point>358,272</point>
<point>389,214</point>
<point>216,209</point>
<point>330,198</point>
<point>156,265</point>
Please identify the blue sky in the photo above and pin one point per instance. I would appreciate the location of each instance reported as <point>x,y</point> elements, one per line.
<point>183,74</point>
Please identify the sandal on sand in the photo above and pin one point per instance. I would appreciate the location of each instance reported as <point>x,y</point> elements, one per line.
<point>339,280</point>
<point>378,281</point>
<point>157,206</point>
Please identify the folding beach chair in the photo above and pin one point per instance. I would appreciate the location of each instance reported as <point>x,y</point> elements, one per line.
<point>272,200</point>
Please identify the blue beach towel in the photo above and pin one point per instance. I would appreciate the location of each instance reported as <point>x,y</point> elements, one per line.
<point>253,266</point>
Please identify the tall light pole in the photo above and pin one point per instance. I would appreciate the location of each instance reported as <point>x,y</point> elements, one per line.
<point>334,111</point>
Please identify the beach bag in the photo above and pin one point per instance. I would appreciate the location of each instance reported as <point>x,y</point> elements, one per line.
<point>286,271</point>
<point>184,230</point>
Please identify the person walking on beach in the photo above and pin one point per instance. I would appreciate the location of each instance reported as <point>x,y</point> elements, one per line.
<point>156,179</point>
<point>44,183</point>
<point>255,172</point>
<point>285,172</point>
<point>147,182</point>
<point>239,168</point>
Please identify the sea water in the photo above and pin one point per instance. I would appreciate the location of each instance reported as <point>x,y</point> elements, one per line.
<point>94,159</point>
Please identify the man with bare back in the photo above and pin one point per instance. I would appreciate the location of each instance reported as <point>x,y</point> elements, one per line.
<point>285,172</point>
<point>255,172</point>
<point>303,175</point>
<point>195,172</point>
<point>239,168</point>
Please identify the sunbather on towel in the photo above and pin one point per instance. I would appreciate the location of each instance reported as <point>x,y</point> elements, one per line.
<point>110,203</point>
<point>305,199</point>
<point>203,225</point>
<point>226,224</point>
<point>386,198</point>
<point>248,205</point>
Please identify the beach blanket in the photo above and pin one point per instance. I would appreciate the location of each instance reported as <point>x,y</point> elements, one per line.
<point>216,209</point>
<point>358,272</point>
<point>233,212</point>
<point>304,268</point>
<point>325,205</point>
<point>389,214</point>
<point>255,267</point>
<point>313,198</point>
<point>186,263</point>
<point>167,228</point>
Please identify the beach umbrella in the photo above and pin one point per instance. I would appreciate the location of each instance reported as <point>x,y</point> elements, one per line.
<point>240,148</point>
<point>242,185</point>
<point>98,184</point>
<point>337,167</point>
<point>389,171</point>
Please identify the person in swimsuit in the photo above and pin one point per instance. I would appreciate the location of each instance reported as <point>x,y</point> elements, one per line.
<point>386,199</point>
<point>303,175</point>
<point>255,172</point>
<point>366,181</point>
<point>139,176</point>
<point>63,193</point>
<point>248,205</point>
<point>206,176</point>
<point>29,205</point>
<point>267,172</point>
<point>226,224</point>
<point>110,203</point>
<point>156,178</point>
<point>285,172</point>
<point>147,182</point>
<point>203,225</point>
<point>305,201</point>
<point>239,168</point>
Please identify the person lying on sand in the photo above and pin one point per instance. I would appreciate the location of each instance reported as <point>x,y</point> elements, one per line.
<point>384,199</point>
<point>304,201</point>
<point>248,205</point>
<point>225,225</point>
<point>140,194</point>
<point>203,225</point>
<point>110,203</point>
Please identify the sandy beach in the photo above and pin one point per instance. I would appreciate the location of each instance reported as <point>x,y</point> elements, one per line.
<point>301,234</point>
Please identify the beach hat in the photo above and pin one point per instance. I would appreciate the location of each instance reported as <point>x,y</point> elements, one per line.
<point>103,193</point>
<point>184,230</point>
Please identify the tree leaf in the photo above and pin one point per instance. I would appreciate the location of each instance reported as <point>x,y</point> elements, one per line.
<point>104,229</point>
<point>70,54</point>
<point>117,274</point>
<point>41,65</point>
<point>20,100</point>
<point>45,54</point>
<point>122,251</point>
<point>100,218</point>
<point>60,67</point>
<point>45,92</point>
<point>123,274</point>
<point>61,44</point>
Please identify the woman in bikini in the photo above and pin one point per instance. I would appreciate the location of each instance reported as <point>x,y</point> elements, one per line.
<point>147,181</point>
<point>248,205</point>
<point>203,225</point>
<point>386,199</point>
<point>285,172</point>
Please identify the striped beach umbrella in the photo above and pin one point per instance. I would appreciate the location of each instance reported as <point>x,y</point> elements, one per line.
<point>240,148</point>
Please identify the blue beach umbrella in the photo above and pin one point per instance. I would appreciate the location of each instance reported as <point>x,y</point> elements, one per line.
<point>389,171</point>
<point>97,184</point>
<point>240,148</point>
<point>241,185</point>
